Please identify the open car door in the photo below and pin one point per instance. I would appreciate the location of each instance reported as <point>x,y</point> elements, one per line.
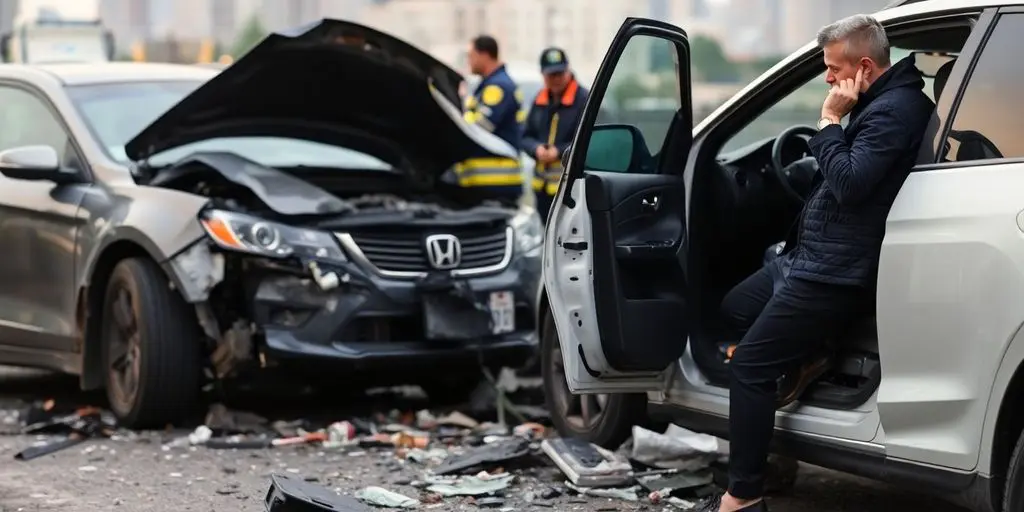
<point>615,240</point>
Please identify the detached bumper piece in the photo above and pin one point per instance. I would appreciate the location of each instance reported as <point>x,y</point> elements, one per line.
<point>291,495</point>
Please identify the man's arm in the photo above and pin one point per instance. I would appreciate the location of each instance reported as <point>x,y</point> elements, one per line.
<point>853,170</point>
<point>497,103</point>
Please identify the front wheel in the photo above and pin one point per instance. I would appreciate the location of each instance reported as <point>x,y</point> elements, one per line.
<point>152,347</point>
<point>605,420</point>
<point>1013,494</point>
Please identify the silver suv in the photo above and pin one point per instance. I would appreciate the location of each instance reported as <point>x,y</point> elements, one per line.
<point>655,222</point>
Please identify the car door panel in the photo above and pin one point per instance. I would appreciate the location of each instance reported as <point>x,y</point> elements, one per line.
<point>616,237</point>
<point>635,248</point>
<point>40,221</point>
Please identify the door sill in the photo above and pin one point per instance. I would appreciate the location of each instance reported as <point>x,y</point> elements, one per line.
<point>844,458</point>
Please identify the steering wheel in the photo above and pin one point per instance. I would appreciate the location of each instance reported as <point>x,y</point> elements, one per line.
<point>794,177</point>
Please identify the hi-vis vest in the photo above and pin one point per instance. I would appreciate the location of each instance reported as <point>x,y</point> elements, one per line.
<point>552,122</point>
<point>496,106</point>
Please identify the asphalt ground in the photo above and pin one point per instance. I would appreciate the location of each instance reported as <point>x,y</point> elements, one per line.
<point>136,471</point>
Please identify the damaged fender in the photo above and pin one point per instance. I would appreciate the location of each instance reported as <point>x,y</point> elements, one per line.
<point>116,221</point>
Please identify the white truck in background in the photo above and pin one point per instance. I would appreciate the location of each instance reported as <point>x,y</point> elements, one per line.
<point>49,37</point>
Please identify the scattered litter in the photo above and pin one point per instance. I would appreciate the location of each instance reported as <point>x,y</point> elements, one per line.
<point>677,448</point>
<point>627,494</point>
<point>380,497</point>
<point>201,435</point>
<point>501,451</point>
<point>478,485</point>
<point>588,465</point>
<point>676,482</point>
<point>74,428</point>
<point>457,419</point>
<point>290,494</point>
<point>420,456</point>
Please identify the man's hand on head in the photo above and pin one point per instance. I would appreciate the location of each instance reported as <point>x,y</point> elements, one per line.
<point>842,97</point>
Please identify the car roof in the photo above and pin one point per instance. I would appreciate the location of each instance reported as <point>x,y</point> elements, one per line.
<point>111,72</point>
<point>900,8</point>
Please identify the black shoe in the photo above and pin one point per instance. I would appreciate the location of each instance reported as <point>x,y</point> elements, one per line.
<point>713,503</point>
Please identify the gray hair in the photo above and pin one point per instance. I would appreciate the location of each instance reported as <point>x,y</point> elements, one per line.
<point>864,37</point>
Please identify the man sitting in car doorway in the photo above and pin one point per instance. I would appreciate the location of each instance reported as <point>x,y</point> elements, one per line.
<point>825,278</point>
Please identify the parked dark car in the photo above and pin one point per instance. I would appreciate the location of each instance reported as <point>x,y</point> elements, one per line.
<point>168,224</point>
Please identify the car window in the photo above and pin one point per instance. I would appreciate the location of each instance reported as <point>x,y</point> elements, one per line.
<point>802,106</point>
<point>638,107</point>
<point>25,120</point>
<point>988,123</point>
<point>115,113</point>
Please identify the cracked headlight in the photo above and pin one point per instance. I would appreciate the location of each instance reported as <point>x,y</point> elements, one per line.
<point>245,233</point>
<point>529,230</point>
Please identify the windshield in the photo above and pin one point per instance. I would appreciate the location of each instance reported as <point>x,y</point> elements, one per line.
<point>117,112</point>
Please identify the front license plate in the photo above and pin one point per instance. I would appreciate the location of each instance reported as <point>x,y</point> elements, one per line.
<point>503,312</point>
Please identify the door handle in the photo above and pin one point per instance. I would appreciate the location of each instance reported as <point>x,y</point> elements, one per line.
<point>650,203</point>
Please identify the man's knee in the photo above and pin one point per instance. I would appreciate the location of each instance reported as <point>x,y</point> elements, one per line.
<point>737,314</point>
<point>747,368</point>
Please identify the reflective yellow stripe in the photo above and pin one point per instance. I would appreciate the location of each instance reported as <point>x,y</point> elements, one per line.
<point>489,172</point>
<point>486,163</point>
<point>547,180</point>
<point>491,180</point>
<point>521,116</point>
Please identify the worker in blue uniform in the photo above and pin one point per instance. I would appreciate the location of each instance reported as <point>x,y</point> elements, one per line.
<point>551,124</point>
<point>496,106</point>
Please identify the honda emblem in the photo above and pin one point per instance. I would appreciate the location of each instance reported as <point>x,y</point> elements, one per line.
<point>444,251</point>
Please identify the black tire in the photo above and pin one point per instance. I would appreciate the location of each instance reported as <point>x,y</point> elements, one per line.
<point>618,415</point>
<point>163,337</point>
<point>1013,494</point>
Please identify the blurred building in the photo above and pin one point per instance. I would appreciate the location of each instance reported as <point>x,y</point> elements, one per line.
<point>8,11</point>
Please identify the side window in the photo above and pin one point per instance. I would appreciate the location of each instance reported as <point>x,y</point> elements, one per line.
<point>26,121</point>
<point>637,109</point>
<point>802,106</point>
<point>988,123</point>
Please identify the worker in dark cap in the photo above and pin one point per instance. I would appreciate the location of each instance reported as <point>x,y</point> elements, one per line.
<point>551,124</point>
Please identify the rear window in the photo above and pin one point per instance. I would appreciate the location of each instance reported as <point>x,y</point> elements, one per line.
<point>987,124</point>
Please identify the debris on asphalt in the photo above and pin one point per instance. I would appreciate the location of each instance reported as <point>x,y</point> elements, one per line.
<point>289,494</point>
<point>677,448</point>
<point>502,458</point>
<point>489,454</point>
<point>479,485</point>
<point>380,497</point>
<point>72,428</point>
<point>627,494</point>
<point>586,464</point>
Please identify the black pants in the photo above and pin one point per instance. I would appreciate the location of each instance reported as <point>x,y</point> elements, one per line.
<point>544,202</point>
<point>780,324</point>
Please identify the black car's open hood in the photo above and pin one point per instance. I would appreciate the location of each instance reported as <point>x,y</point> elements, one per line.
<point>334,82</point>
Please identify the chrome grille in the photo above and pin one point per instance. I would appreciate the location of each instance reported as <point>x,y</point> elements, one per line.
<point>405,253</point>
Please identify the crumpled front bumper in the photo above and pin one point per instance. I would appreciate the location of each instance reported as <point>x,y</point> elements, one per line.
<point>369,322</point>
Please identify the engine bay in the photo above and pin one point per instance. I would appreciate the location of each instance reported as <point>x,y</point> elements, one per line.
<point>327,198</point>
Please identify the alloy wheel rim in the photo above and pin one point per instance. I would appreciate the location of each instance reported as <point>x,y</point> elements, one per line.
<point>581,412</point>
<point>125,348</point>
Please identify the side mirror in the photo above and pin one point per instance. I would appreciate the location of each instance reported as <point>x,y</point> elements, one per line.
<point>34,163</point>
<point>614,148</point>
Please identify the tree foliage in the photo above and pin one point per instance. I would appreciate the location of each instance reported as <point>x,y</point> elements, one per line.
<point>252,33</point>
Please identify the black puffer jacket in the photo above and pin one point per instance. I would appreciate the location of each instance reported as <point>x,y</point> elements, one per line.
<point>862,170</point>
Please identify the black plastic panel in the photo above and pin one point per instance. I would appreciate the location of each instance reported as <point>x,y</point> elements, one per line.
<point>638,279</point>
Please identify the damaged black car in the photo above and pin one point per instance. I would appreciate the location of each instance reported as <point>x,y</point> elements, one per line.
<point>172,224</point>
